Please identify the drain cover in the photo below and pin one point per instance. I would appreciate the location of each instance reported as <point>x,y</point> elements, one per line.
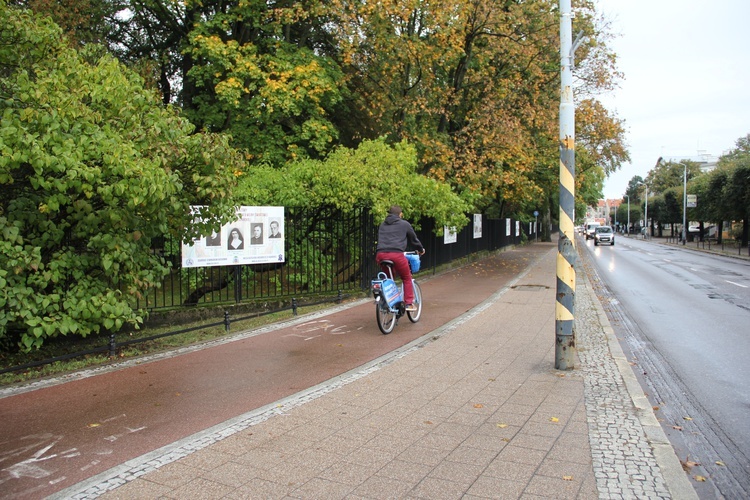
<point>530,288</point>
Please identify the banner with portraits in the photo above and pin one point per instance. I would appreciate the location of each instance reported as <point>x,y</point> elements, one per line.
<point>255,237</point>
<point>477,226</point>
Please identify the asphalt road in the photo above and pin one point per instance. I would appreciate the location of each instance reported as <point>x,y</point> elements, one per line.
<point>684,318</point>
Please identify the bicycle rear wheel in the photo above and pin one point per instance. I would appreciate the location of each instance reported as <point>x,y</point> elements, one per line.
<point>386,318</point>
<point>414,315</point>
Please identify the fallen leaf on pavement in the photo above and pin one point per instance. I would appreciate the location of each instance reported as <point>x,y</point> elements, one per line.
<point>687,418</point>
<point>677,427</point>
<point>699,478</point>
<point>568,478</point>
<point>719,462</point>
<point>554,419</point>
<point>479,405</point>
<point>502,426</point>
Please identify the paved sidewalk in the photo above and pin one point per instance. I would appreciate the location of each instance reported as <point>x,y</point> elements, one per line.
<point>474,409</point>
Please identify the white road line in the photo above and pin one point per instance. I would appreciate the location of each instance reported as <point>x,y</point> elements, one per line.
<point>732,282</point>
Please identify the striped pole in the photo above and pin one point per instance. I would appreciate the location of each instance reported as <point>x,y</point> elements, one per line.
<point>566,252</point>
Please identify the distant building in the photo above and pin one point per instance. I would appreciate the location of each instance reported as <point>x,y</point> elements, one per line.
<point>706,161</point>
<point>607,210</point>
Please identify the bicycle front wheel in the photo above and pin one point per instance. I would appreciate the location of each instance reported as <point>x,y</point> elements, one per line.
<point>414,315</point>
<point>386,318</point>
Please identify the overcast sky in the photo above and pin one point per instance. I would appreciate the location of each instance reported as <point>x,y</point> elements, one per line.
<point>687,79</point>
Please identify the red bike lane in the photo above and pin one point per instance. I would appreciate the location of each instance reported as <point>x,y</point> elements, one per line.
<point>62,434</point>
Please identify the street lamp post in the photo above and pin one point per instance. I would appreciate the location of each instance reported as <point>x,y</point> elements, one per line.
<point>615,217</point>
<point>627,229</point>
<point>684,203</point>
<point>645,217</point>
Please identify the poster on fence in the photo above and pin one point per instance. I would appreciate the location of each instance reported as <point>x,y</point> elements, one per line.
<point>507,227</point>
<point>449,235</point>
<point>255,237</point>
<point>477,226</point>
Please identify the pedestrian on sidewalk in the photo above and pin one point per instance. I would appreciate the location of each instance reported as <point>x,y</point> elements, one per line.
<point>394,235</point>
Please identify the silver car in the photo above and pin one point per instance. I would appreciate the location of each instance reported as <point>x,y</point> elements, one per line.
<point>604,235</point>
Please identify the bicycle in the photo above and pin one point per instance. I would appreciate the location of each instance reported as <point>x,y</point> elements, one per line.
<point>389,297</point>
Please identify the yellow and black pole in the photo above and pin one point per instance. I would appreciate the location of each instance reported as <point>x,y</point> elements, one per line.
<point>566,252</point>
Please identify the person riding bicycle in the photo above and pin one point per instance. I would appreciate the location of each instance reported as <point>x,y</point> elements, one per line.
<point>394,234</point>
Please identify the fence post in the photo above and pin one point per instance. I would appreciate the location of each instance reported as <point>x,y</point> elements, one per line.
<point>237,284</point>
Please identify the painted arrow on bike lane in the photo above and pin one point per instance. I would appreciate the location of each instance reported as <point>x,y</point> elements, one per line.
<point>57,436</point>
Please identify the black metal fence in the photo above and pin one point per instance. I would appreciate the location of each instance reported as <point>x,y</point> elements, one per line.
<point>327,251</point>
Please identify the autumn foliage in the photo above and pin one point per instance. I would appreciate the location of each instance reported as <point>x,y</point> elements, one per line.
<point>444,107</point>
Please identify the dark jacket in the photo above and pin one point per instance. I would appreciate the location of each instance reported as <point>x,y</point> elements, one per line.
<point>395,233</point>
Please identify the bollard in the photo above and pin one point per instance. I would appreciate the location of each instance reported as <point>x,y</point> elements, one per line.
<point>226,321</point>
<point>112,346</point>
<point>294,306</point>
<point>340,297</point>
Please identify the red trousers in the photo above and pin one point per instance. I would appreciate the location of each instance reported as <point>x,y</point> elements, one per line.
<point>401,267</point>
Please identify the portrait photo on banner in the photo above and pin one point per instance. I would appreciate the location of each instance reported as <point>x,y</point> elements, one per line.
<point>256,236</point>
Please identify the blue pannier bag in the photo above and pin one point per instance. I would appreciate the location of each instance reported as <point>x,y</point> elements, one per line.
<point>391,292</point>
<point>387,289</point>
<point>413,262</point>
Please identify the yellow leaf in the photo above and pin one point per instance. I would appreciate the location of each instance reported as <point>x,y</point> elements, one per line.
<point>479,405</point>
<point>568,478</point>
<point>687,418</point>
<point>94,425</point>
<point>502,426</point>
<point>554,419</point>
<point>699,478</point>
<point>719,462</point>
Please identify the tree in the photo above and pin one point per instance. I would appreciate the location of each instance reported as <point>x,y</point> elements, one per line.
<point>602,135</point>
<point>93,170</point>
<point>475,85</point>
<point>375,175</point>
<point>83,21</point>
<point>258,76</point>
<point>669,174</point>
<point>635,189</point>
<point>736,189</point>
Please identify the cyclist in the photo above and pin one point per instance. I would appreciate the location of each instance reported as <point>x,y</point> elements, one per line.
<point>393,236</point>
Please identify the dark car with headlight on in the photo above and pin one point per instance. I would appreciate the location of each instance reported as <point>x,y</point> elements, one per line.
<point>604,235</point>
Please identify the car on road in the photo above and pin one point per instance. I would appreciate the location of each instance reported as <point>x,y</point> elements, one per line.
<point>590,227</point>
<point>604,235</point>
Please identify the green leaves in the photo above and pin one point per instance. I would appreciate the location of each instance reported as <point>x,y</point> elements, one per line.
<point>374,175</point>
<point>90,159</point>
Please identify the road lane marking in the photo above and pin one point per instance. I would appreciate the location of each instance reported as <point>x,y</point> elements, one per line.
<point>732,282</point>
